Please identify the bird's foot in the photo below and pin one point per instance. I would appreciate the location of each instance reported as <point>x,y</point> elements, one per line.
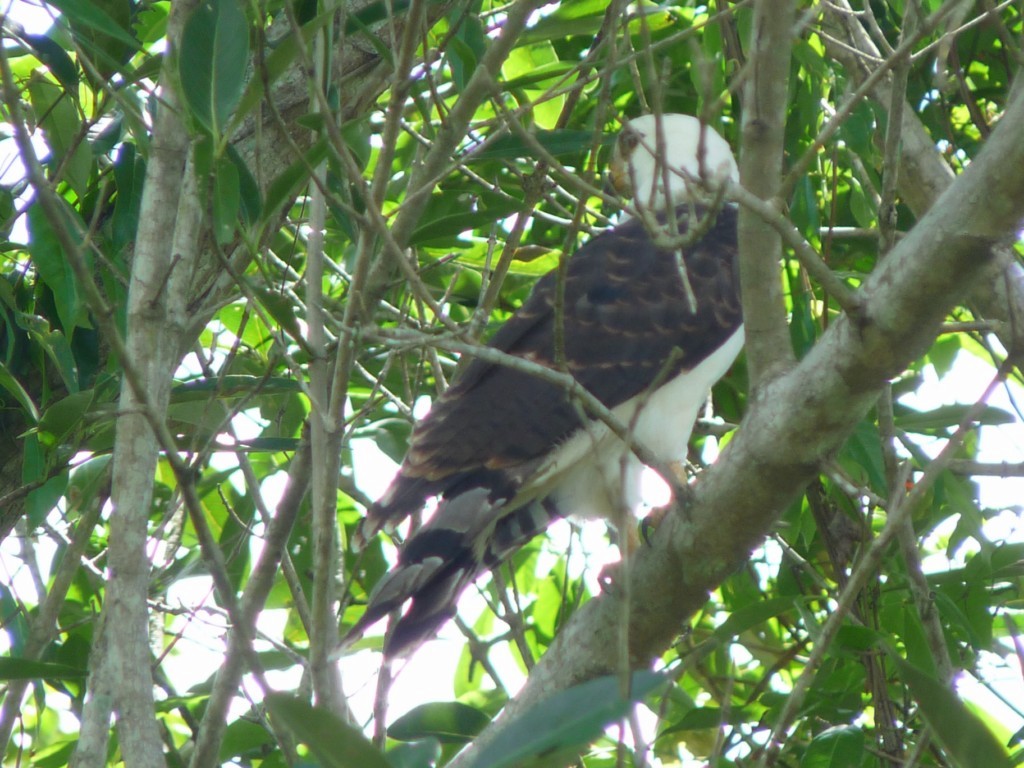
<point>652,521</point>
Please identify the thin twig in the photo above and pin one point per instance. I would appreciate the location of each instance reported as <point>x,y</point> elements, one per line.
<point>887,215</point>
<point>805,253</point>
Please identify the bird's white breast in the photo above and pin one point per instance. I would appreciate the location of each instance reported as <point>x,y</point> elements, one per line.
<point>594,474</point>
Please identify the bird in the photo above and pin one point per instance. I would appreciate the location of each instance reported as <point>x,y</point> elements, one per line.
<point>651,319</point>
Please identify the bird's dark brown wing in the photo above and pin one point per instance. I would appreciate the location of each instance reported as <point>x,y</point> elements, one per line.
<point>626,316</point>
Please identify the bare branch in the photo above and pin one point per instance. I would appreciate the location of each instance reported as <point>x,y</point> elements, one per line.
<point>765,99</point>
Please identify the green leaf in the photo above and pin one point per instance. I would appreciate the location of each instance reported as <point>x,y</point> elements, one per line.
<point>42,500</point>
<point>451,226</point>
<point>450,722</point>
<point>284,188</point>
<point>244,738</point>
<point>467,46</point>
<point>232,385</point>
<point>964,737</point>
<point>8,212</point>
<point>538,75</point>
<point>802,329</point>
<point>862,454</point>
<point>26,669</point>
<point>54,269</point>
<point>581,17</point>
<point>54,344</point>
<point>13,386</point>
<point>858,130</point>
<point>857,639</point>
<point>860,206</point>
<point>213,60</point>
<point>840,747</point>
<point>271,444</point>
<point>129,177</point>
<point>251,199</point>
<point>63,416</point>
<point>107,52</point>
<point>151,22</point>
<point>33,464</point>
<point>226,201</point>
<point>804,211</point>
<point>565,723</point>
<point>282,309</point>
<point>88,479</point>
<point>703,718</point>
<point>62,126</point>
<point>335,743</point>
<point>537,264</point>
<point>356,135</point>
<point>56,59</point>
<point>87,13</point>
<point>949,416</point>
<point>944,352</point>
<point>915,640</point>
<point>110,135</point>
<point>751,616</point>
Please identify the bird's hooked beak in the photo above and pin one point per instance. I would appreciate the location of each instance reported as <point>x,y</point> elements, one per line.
<point>619,169</point>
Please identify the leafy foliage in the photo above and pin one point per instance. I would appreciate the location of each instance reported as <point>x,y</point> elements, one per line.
<point>380,172</point>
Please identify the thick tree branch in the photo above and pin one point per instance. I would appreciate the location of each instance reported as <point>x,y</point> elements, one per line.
<point>159,272</point>
<point>810,411</point>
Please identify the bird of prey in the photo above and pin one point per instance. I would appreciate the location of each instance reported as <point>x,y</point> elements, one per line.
<point>505,452</point>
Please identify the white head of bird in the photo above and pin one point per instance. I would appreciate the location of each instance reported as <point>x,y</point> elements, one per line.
<point>671,163</point>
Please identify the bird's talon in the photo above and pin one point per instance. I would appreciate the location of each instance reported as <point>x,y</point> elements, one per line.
<point>652,522</point>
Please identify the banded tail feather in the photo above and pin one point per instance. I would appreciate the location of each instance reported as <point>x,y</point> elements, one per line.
<point>440,561</point>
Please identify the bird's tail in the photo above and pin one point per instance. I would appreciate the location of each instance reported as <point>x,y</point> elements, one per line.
<point>469,533</point>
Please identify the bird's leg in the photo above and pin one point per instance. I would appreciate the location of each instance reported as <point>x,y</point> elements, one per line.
<point>630,536</point>
<point>654,518</point>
